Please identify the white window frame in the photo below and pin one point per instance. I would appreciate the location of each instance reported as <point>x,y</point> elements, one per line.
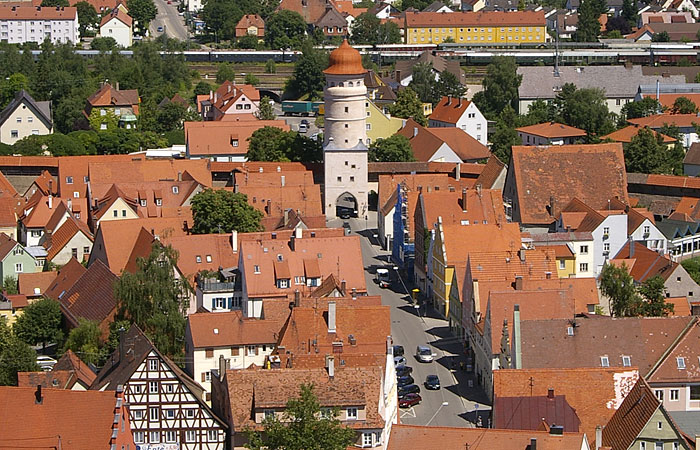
<point>154,437</point>
<point>138,437</point>
<point>604,361</point>
<point>153,387</point>
<point>153,365</point>
<point>212,435</point>
<point>367,439</point>
<point>19,268</point>
<point>674,393</point>
<point>153,414</point>
<point>250,350</point>
<point>138,414</point>
<point>190,436</point>
<point>351,413</point>
<point>170,437</point>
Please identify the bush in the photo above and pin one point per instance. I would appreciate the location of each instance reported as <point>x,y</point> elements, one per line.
<point>251,79</point>
<point>270,66</point>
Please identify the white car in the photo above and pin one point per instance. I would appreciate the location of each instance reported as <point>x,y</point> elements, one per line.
<point>424,354</point>
<point>45,363</point>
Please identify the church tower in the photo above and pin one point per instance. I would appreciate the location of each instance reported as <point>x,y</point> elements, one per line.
<point>345,135</point>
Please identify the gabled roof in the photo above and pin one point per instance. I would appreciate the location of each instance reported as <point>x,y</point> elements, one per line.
<point>626,134</point>
<point>226,329</point>
<point>310,10</point>
<point>450,110</point>
<point>668,370</point>
<point>331,18</point>
<point>29,283</point>
<point>659,120</point>
<point>529,413</point>
<point>481,18</point>
<point>106,95</point>
<point>552,130</point>
<point>692,155</point>
<point>67,371</point>
<point>6,188</point>
<point>92,295</point>
<point>250,20</point>
<point>440,64</point>
<point>197,252</point>
<point>60,419</point>
<point>462,143</point>
<point>224,137</point>
<point>6,245</point>
<point>38,13</point>
<point>65,279</point>
<point>594,393</point>
<point>147,171</point>
<point>644,263</point>
<point>118,14</point>
<point>46,184</point>
<point>593,173</point>
<point>631,417</point>
<point>61,237</point>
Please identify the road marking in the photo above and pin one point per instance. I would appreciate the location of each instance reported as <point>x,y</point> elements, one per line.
<point>410,412</point>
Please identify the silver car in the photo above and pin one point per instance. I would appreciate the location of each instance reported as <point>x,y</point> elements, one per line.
<point>424,354</point>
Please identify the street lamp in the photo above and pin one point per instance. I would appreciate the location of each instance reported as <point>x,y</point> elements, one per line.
<point>436,412</point>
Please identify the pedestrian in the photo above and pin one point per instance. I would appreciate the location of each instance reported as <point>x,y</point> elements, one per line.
<point>461,366</point>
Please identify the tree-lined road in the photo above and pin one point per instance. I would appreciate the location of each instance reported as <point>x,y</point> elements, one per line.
<point>172,22</point>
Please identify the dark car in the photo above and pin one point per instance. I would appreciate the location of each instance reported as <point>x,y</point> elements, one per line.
<point>304,121</point>
<point>404,380</point>
<point>398,350</point>
<point>403,370</point>
<point>409,400</point>
<point>409,389</point>
<point>432,382</point>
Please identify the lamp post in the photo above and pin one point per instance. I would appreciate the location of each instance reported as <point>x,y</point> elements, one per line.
<point>436,412</point>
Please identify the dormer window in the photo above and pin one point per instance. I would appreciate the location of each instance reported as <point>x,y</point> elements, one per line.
<point>256,269</point>
<point>234,142</point>
<point>351,413</point>
<point>680,362</point>
<point>159,202</point>
<point>604,361</point>
<point>176,190</point>
<point>282,283</point>
<point>69,180</point>
<point>208,258</point>
<point>198,258</point>
<point>143,202</point>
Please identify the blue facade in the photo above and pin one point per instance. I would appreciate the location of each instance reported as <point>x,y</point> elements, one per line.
<point>403,247</point>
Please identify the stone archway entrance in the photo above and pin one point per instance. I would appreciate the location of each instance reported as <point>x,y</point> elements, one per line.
<point>346,206</point>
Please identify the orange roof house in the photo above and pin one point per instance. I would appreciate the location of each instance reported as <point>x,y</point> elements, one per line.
<point>120,15</point>
<point>69,372</point>
<point>626,134</point>
<point>442,144</point>
<point>250,24</point>
<point>107,97</point>
<point>56,418</point>
<point>550,133</point>
<point>223,140</point>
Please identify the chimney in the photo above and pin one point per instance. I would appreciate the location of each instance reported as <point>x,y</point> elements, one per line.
<point>533,444</point>
<point>331,317</point>
<point>286,216</point>
<point>297,298</point>
<point>222,368</point>
<point>398,76</point>
<point>234,241</point>
<point>548,275</point>
<point>464,199</point>
<point>459,104</point>
<point>631,247</point>
<point>458,171</point>
<point>449,99</point>
<point>38,399</point>
<point>179,176</point>
<point>550,393</point>
<point>292,244</point>
<point>50,201</point>
<point>552,206</point>
<point>116,86</point>
<point>518,283</point>
<point>343,285</point>
<point>122,344</point>
<point>69,204</point>
<point>599,437</point>
<point>331,366</point>
<point>415,131</point>
<point>517,353</point>
<point>521,253</point>
<point>211,95</point>
<point>282,178</point>
<point>50,186</point>
<point>353,293</point>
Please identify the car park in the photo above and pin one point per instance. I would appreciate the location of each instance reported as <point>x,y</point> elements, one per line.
<point>304,122</point>
<point>432,382</point>
<point>410,400</point>
<point>408,389</point>
<point>403,370</point>
<point>424,354</point>
<point>404,380</point>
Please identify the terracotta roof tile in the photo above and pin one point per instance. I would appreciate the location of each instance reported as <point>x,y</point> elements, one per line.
<point>593,173</point>
<point>73,171</point>
<point>30,282</point>
<point>659,120</point>
<point>121,16</point>
<point>460,240</point>
<point>65,279</point>
<point>6,245</point>
<point>197,252</point>
<point>457,438</point>
<point>463,144</point>
<point>552,130</point>
<point>449,110</point>
<point>594,393</point>
<point>667,371</point>
<point>224,137</point>
<point>92,295</point>
<point>9,206</point>
<point>148,171</point>
<point>250,20</point>
<point>491,18</point>
<point>37,13</point>
<point>631,417</point>
<point>61,237</point>
<point>532,412</point>
<point>492,172</point>
<point>108,96</point>
<point>6,188</point>
<point>626,134</point>
<point>647,263</point>
<point>226,329</point>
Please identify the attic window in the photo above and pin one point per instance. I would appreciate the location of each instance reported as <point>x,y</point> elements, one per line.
<point>143,202</point>
<point>626,361</point>
<point>280,258</point>
<point>176,189</point>
<point>319,255</point>
<point>159,202</point>
<point>198,258</point>
<point>256,269</point>
<point>69,180</point>
<point>680,361</point>
<point>208,258</point>
<point>604,361</point>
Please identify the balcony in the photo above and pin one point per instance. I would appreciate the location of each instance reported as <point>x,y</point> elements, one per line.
<point>210,286</point>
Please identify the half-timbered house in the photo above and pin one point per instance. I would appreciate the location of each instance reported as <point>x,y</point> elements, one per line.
<point>165,405</point>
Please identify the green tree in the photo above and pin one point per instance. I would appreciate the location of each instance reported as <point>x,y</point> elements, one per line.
<point>648,106</point>
<point>396,148</point>
<point>11,86</point>
<point>265,112</point>
<point>269,144</point>
<point>539,111</point>
<point>647,153</point>
<point>249,41</point>
<point>661,37</point>
<point>683,105</point>
<point>618,285</point>
<point>302,427</point>
<point>308,78</point>
<point>284,29</point>
<point>251,79</point>
<point>448,85</point>
<point>156,301</point>
<point>629,12</point>
<point>40,323</point>
<point>654,304</point>
<point>173,115</point>
<point>586,109</point>
<point>407,105</point>
<point>99,122</point>
<point>588,25</point>
<point>9,285</point>
<point>270,66</point>
<point>220,211</point>
<point>367,29</point>
<point>103,44</point>
<point>202,88</point>
<point>505,136</point>
<point>225,72</point>
<point>87,17</point>
<point>85,341</point>
<point>15,356</point>
<point>142,11</point>
<point>501,85</point>
<point>692,266</point>
<point>423,83</point>
<point>54,3</point>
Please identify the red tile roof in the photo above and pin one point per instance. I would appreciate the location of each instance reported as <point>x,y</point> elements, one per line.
<point>659,120</point>
<point>148,171</point>
<point>667,370</point>
<point>67,371</point>
<point>197,252</point>
<point>120,15</point>
<point>626,134</point>
<point>552,130</point>
<point>449,110</point>
<point>75,170</point>
<point>106,95</point>
<point>6,245</point>
<point>644,263</point>
<point>65,279</point>
<point>6,188</point>
<point>593,173</point>
<point>250,20</point>
<point>38,13</point>
<point>29,283</point>
<point>481,18</point>
<point>224,137</point>
<point>61,237</point>
<point>226,329</point>
<point>92,296</point>
<point>462,143</point>
<point>667,100</point>
<point>534,412</point>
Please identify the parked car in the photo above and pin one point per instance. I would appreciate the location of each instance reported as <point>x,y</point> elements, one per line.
<point>410,400</point>
<point>398,350</point>
<point>160,29</point>
<point>424,354</point>
<point>403,370</point>
<point>408,389</point>
<point>303,128</point>
<point>399,361</point>
<point>304,121</point>
<point>404,380</point>
<point>432,382</point>
<point>45,363</point>
<point>382,278</point>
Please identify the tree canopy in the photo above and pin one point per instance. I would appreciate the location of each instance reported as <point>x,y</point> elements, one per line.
<point>367,29</point>
<point>265,111</point>
<point>15,356</point>
<point>303,427</point>
<point>308,78</point>
<point>85,341</point>
<point>220,211</point>
<point>585,109</point>
<point>628,300</point>
<point>407,105</point>
<point>143,12</point>
<point>274,144</point>
<point>648,153</point>
<point>156,301</point>
<point>396,148</point>
<point>87,17</point>
<point>683,105</point>
<point>284,29</point>
<point>40,323</point>
<point>648,106</point>
<point>501,85</point>
<point>588,25</point>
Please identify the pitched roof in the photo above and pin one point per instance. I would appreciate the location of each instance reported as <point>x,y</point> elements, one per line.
<point>462,143</point>
<point>92,295</point>
<point>659,120</point>
<point>529,413</point>
<point>440,64</point>
<point>30,283</point>
<point>692,155</point>
<point>626,134</point>
<point>61,237</point>
<point>506,266</point>
<point>250,20</point>
<point>460,240</point>
<point>41,109</point>
<point>67,371</point>
<point>643,339</point>
<point>631,417</point>
<point>449,109</point>
<point>147,171</point>
<point>48,424</point>
<point>457,438</point>
<point>226,329</point>
<point>491,18</point>
<point>668,99</point>
<point>65,279</point>
<point>6,245</point>
<point>493,169</point>
<point>46,184</point>
<point>593,173</point>
<point>106,95</point>
<point>644,263</point>
<point>668,370</point>
<point>197,252</point>
<point>594,393</point>
<point>38,13</point>
<point>310,10</point>
<point>418,182</point>
<point>118,14</point>
<point>552,130</point>
<point>73,171</point>
<point>224,137</point>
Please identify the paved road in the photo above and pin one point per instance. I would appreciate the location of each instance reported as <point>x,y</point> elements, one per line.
<point>173,24</point>
<point>294,121</point>
<point>409,329</point>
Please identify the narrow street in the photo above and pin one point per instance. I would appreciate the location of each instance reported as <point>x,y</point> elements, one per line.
<point>411,327</point>
<point>173,24</point>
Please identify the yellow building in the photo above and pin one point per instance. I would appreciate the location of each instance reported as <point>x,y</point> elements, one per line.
<point>378,124</point>
<point>443,273</point>
<point>566,261</point>
<point>491,27</point>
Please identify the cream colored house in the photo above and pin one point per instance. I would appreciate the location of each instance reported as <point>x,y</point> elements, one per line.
<point>24,117</point>
<point>115,205</point>
<point>71,240</point>
<point>378,124</point>
<point>119,26</point>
